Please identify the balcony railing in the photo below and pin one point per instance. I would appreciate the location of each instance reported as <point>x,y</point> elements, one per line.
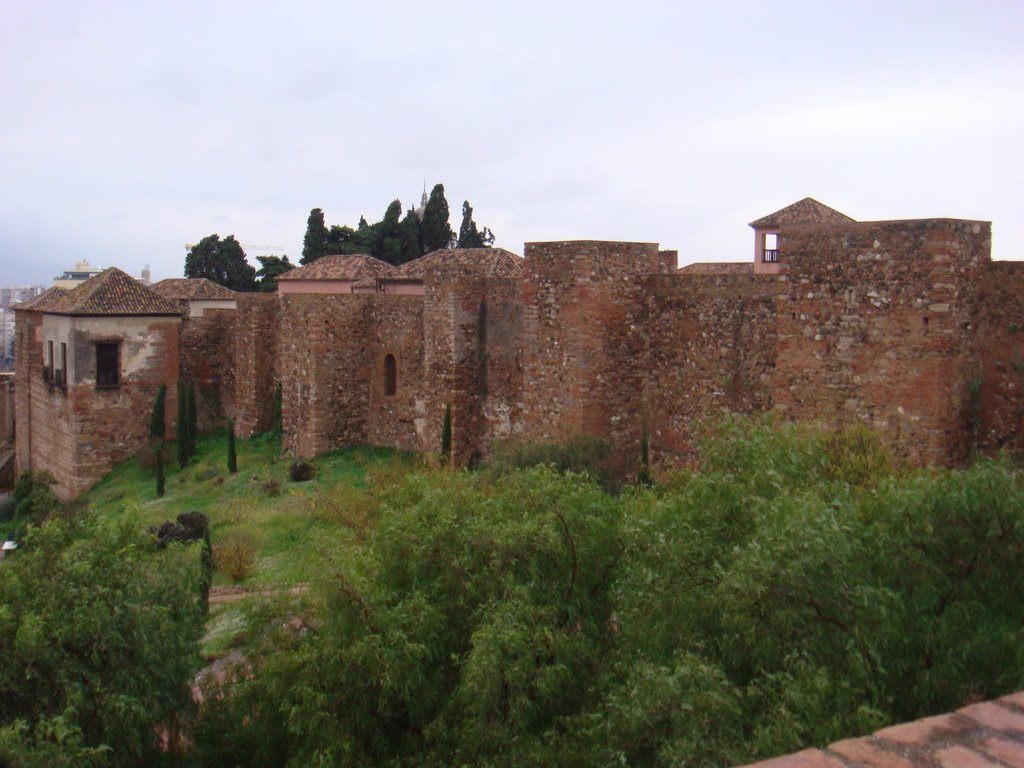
<point>771,255</point>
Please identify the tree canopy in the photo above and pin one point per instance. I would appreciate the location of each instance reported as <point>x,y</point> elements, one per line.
<point>437,231</point>
<point>469,235</point>
<point>796,591</point>
<point>99,636</point>
<point>271,267</point>
<point>222,261</point>
<point>314,244</point>
<point>396,238</point>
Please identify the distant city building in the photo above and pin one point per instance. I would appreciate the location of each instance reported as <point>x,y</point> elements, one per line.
<point>77,275</point>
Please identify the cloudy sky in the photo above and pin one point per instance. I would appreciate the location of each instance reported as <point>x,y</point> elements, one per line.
<point>132,128</point>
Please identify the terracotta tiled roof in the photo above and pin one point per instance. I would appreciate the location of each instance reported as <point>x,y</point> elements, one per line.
<point>45,299</point>
<point>984,734</point>
<point>193,289</point>
<point>490,262</point>
<point>806,211</point>
<point>112,292</point>
<point>350,266</point>
<point>723,268</point>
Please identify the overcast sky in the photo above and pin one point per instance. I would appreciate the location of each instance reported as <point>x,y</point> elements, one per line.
<point>132,128</point>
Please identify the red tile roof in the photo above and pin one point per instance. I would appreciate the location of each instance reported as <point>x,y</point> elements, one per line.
<point>977,735</point>
<point>488,262</point>
<point>45,299</point>
<point>350,266</point>
<point>193,289</point>
<point>806,211</point>
<point>112,292</point>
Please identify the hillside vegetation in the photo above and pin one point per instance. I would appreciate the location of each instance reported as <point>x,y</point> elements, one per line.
<point>797,590</point>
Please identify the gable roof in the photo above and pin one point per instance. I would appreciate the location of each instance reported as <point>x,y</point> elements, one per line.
<point>349,266</point>
<point>488,262</point>
<point>112,292</point>
<point>806,211</point>
<point>193,289</point>
<point>45,299</point>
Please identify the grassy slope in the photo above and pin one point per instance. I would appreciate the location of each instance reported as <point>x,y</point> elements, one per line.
<point>292,531</point>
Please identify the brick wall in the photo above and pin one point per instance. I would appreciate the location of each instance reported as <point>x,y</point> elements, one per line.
<point>325,364</point>
<point>874,326</point>
<point>208,361</point>
<point>257,335</point>
<point>996,412</point>
<point>583,341</point>
<point>711,347</point>
<point>80,432</point>
<point>396,328</point>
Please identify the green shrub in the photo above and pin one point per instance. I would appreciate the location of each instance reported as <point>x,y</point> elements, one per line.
<point>301,471</point>
<point>581,455</point>
<point>235,556</point>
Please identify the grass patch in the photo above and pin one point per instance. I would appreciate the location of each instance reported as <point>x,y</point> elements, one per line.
<point>293,527</point>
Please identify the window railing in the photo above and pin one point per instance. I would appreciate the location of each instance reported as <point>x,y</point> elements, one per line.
<point>771,255</point>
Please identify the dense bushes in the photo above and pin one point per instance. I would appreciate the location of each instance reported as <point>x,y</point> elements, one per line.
<point>798,590</point>
<point>98,636</point>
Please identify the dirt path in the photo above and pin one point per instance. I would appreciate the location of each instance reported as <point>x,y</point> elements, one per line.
<point>219,595</point>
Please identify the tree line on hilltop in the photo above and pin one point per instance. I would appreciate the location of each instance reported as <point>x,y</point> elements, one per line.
<point>396,239</point>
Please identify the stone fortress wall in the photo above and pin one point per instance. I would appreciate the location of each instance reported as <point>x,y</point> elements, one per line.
<point>905,327</point>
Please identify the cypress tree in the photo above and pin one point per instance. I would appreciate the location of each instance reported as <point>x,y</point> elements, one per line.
<point>446,434</point>
<point>435,228</point>
<point>191,416</point>
<point>157,425</point>
<point>278,418</point>
<point>644,476</point>
<point>232,454</point>
<point>160,480</point>
<point>314,244</point>
<point>182,426</point>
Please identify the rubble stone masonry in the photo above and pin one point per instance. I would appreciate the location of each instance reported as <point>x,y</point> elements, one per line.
<point>902,326</point>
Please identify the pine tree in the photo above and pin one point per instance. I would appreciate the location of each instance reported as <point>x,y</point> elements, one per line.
<point>222,261</point>
<point>182,425</point>
<point>314,244</point>
<point>437,232</point>
<point>232,454</point>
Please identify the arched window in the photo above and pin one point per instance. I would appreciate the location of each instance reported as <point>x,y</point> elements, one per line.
<point>390,375</point>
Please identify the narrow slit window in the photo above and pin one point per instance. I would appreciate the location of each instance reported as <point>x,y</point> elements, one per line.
<point>48,365</point>
<point>390,375</point>
<point>108,364</point>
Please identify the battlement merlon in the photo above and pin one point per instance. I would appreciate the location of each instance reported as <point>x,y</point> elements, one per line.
<point>591,260</point>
